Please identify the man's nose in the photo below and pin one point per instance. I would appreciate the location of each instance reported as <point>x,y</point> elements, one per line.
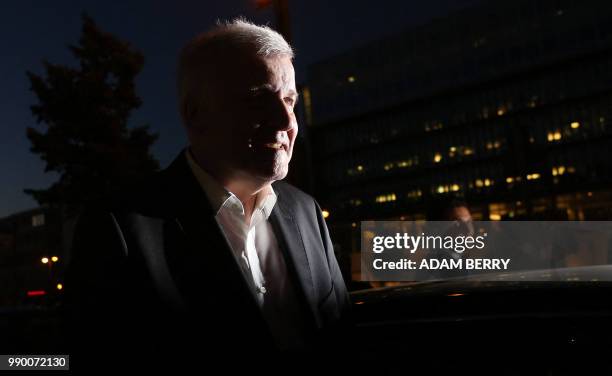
<point>281,116</point>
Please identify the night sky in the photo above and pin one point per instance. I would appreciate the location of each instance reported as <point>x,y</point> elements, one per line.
<point>34,30</point>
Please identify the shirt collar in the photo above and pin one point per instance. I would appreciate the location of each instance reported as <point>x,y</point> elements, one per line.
<point>219,197</point>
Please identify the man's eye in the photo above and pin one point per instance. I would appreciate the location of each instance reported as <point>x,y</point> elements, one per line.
<point>290,101</point>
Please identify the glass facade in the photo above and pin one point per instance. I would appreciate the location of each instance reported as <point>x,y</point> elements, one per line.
<point>507,106</point>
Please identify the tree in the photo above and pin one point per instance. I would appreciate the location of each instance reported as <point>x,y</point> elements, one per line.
<point>86,111</point>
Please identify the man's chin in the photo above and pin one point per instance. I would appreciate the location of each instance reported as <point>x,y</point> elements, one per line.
<point>270,174</point>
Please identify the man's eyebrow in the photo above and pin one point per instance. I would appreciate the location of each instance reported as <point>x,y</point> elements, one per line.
<point>255,89</point>
<point>261,87</point>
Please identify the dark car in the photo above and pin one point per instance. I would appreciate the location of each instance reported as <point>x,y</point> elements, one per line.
<point>469,326</point>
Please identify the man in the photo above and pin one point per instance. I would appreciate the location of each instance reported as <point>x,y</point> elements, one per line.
<point>214,256</point>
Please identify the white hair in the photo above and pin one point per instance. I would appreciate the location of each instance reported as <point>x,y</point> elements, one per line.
<point>208,49</point>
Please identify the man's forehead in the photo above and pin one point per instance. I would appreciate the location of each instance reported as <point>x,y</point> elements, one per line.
<point>273,73</point>
<point>255,73</point>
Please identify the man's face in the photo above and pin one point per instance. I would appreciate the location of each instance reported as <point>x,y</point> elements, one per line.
<point>248,124</point>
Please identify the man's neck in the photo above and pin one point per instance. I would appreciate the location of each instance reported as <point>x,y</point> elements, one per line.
<point>244,188</point>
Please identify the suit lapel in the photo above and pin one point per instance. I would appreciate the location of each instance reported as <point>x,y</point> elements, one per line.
<point>205,265</point>
<point>292,245</point>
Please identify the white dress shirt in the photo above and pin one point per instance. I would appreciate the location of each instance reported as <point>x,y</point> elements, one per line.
<point>256,249</point>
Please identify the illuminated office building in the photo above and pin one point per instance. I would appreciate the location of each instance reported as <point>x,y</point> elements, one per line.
<point>507,105</point>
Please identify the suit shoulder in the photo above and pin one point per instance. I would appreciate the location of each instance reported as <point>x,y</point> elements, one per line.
<point>139,195</point>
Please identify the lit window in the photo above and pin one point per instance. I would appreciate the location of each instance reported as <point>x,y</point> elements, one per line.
<point>38,220</point>
<point>307,105</point>
<point>355,202</point>
<point>414,193</point>
<point>485,113</point>
<point>386,198</point>
<point>406,163</point>
<point>558,170</point>
<point>554,136</point>
<point>442,189</point>
<point>354,171</point>
<point>533,102</point>
<point>533,176</point>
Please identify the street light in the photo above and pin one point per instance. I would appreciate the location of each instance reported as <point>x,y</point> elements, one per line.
<point>54,258</point>
<point>59,286</point>
<point>44,260</point>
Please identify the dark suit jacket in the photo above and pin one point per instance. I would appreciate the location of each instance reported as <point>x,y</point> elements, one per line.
<point>152,277</point>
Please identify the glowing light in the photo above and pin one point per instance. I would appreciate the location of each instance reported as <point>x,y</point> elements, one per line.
<point>495,217</point>
<point>455,187</point>
<point>59,286</point>
<point>509,179</point>
<point>575,125</point>
<point>325,213</point>
<point>351,79</point>
<point>437,157</point>
<point>386,198</point>
<point>44,260</point>
<point>533,176</point>
<point>54,258</point>
<point>36,293</point>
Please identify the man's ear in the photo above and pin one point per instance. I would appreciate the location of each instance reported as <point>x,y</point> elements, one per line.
<point>189,112</point>
<point>194,116</point>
